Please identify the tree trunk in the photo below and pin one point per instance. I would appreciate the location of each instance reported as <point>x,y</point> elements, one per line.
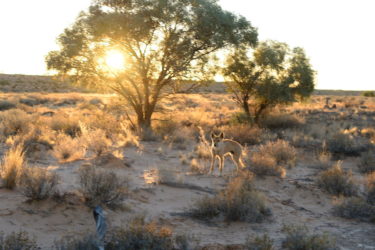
<point>246,109</point>
<point>259,112</point>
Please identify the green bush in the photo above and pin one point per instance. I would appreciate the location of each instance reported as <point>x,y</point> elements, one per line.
<point>369,94</point>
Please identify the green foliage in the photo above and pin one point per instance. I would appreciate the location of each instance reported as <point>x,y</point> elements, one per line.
<point>369,93</point>
<point>275,74</point>
<point>164,41</point>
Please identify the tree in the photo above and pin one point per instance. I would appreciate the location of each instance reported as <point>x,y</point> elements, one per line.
<point>274,74</point>
<point>164,41</point>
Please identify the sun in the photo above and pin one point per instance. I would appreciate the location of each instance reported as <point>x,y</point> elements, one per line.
<point>115,60</point>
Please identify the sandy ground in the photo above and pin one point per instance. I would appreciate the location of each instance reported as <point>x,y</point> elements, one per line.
<point>293,200</point>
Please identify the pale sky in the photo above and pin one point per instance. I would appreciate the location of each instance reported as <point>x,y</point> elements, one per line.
<point>337,35</point>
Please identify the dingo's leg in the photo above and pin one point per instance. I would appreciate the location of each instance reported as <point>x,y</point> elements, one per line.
<point>213,159</point>
<point>221,166</point>
<point>237,161</point>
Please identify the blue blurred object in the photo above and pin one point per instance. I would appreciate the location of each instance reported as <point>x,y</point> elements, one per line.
<point>101,226</point>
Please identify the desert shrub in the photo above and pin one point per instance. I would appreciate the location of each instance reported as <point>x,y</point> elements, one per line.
<point>5,105</point>
<point>88,242</point>
<point>282,121</point>
<point>259,243</point>
<point>240,118</point>
<point>345,143</point>
<point>355,208</point>
<point>281,151</point>
<point>95,140</point>
<point>262,165</point>
<point>197,166</point>
<point>337,181</point>
<point>244,133</point>
<point>15,121</point>
<point>100,187</point>
<point>370,186</point>
<point>13,162</point>
<point>367,162</point>
<point>239,201</point>
<point>298,238</point>
<point>17,241</point>
<point>67,149</point>
<point>368,93</point>
<point>142,235</point>
<point>67,124</point>
<point>37,183</point>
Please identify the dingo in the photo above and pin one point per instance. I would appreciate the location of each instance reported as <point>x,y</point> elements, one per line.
<point>221,147</point>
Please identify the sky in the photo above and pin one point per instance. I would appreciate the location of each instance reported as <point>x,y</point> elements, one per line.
<point>337,35</point>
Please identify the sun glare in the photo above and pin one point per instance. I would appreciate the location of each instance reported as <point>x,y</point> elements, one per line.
<point>114,60</point>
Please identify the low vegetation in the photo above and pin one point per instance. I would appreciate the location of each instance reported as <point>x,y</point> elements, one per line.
<point>100,187</point>
<point>281,151</point>
<point>337,181</point>
<point>12,164</point>
<point>299,238</point>
<point>37,183</point>
<point>17,241</point>
<point>367,162</point>
<point>68,149</point>
<point>355,208</point>
<point>260,243</point>
<point>239,201</point>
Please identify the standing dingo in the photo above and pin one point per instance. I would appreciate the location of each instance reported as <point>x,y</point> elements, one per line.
<point>221,147</point>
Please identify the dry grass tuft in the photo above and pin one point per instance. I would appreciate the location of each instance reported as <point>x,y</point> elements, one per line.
<point>68,149</point>
<point>370,185</point>
<point>355,208</point>
<point>282,121</point>
<point>260,243</point>
<point>244,133</point>
<point>12,164</point>
<point>95,141</point>
<point>17,241</point>
<point>37,183</point>
<point>15,121</point>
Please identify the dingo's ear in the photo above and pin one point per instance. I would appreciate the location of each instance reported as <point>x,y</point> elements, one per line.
<point>221,135</point>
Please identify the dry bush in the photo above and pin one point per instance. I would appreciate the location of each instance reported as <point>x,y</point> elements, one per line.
<point>100,187</point>
<point>259,243</point>
<point>370,186</point>
<point>367,162</point>
<point>281,151</point>
<point>142,235</point>
<point>337,181</point>
<point>239,201</point>
<point>262,165</point>
<point>12,164</point>
<point>95,140</point>
<point>244,133</point>
<point>298,238</point>
<point>104,121</point>
<point>166,175</point>
<point>17,241</point>
<point>282,121</point>
<point>15,121</point>
<point>37,183</point>
<point>87,242</point>
<point>5,105</point>
<point>68,149</point>
<point>65,123</point>
<point>346,144</point>
<point>197,166</point>
<point>355,208</point>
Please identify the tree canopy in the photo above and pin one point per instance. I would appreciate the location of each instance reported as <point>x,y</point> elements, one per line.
<point>273,74</point>
<point>163,41</point>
